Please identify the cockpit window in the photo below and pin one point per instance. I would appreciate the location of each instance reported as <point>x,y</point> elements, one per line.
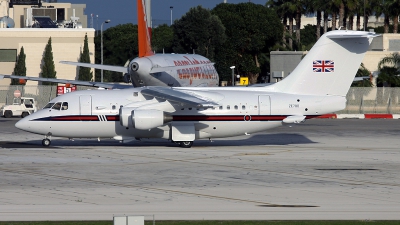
<point>49,105</point>
<point>64,106</point>
<point>57,106</point>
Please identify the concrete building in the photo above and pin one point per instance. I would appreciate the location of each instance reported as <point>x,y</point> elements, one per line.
<point>67,43</point>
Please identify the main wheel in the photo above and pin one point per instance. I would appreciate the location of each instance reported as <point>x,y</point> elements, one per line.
<point>46,142</point>
<point>24,114</point>
<point>186,144</point>
<point>8,114</point>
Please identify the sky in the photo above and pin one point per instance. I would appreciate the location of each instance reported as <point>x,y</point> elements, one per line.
<point>124,11</point>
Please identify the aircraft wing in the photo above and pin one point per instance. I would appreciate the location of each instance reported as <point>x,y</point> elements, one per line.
<point>121,69</point>
<point>62,81</point>
<point>167,68</point>
<point>179,97</point>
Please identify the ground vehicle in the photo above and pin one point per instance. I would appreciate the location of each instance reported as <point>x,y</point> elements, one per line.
<point>21,107</point>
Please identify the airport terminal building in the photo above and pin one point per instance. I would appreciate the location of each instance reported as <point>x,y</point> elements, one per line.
<point>29,25</point>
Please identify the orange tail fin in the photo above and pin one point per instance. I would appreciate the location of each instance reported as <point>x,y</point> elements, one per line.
<point>143,30</point>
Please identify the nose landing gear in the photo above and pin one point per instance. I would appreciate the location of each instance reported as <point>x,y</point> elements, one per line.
<point>47,140</point>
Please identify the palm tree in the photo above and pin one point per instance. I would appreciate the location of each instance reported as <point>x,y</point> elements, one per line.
<point>382,7</point>
<point>286,10</point>
<point>394,13</point>
<point>315,6</point>
<point>294,10</point>
<point>389,68</point>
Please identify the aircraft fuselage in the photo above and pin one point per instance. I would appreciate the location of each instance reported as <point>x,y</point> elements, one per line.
<point>96,113</point>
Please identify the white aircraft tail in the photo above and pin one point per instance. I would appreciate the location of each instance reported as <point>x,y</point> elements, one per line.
<point>330,66</point>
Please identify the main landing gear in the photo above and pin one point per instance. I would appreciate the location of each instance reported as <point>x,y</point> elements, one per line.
<point>46,141</point>
<point>185,144</point>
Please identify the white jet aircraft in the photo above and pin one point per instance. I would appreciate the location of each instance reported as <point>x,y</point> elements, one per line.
<point>317,86</point>
<point>149,69</point>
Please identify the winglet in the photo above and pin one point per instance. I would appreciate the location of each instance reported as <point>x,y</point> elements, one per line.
<point>143,30</point>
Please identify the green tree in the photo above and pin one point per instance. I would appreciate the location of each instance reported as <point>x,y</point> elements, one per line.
<point>286,10</point>
<point>200,31</point>
<point>389,71</point>
<point>85,73</point>
<point>382,7</point>
<point>162,38</point>
<point>362,72</point>
<point>311,7</point>
<point>120,44</point>
<point>48,68</point>
<point>20,67</point>
<point>251,31</point>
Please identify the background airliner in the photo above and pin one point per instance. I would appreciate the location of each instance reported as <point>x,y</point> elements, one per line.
<point>150,69</point>
<point>317,86</point>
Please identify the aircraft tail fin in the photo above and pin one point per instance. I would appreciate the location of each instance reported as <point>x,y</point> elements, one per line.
<point>330,66</point>
<point>144,35</point>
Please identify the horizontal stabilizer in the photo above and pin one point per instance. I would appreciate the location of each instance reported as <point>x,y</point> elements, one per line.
<point>168,68</point>
<point>359,35</point>
<point>98,66</point>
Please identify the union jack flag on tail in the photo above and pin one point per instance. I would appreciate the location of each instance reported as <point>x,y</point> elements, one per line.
<point>323,66</point>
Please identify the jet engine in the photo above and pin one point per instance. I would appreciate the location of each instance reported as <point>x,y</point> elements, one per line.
<point>143,119</point>
<point>150,118</point>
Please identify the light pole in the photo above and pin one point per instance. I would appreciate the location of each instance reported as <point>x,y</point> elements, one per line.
<point>233,76</point>
<point>101,31</point>
<point>171,7</point>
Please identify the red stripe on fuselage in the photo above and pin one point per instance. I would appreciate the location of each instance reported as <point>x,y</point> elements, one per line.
<point>183,118</point>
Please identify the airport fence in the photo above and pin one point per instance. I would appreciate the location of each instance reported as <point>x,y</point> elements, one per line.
<point>360,100</point>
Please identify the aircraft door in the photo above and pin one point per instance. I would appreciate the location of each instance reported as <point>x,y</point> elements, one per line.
<point>85,104</point>
<point>264,105</point>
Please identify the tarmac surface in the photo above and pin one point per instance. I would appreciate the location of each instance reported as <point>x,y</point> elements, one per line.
<point>324,169</point>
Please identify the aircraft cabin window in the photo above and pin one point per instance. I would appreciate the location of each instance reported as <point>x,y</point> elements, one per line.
<point>64,106</point>
<point>49,105</point>
<point>57,106</point>
<point>236,107</point>
<point>228,107</point>
<point>221,107</point>
<point>243,107</point>
<point>113,107</point>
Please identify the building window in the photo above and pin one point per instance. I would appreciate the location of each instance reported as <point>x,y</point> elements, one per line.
<point>8,55</point>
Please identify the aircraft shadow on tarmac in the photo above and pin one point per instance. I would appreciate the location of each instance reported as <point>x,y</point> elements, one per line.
<point>253,140</point>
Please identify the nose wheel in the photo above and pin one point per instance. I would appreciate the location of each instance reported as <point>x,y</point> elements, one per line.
<point>46,142</point>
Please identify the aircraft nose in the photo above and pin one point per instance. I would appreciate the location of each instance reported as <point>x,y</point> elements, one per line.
<point>23,124</point>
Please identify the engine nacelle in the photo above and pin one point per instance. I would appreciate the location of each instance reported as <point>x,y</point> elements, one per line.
<point>142,119</point>
<point>125,116</point>
<point>149,118</point>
